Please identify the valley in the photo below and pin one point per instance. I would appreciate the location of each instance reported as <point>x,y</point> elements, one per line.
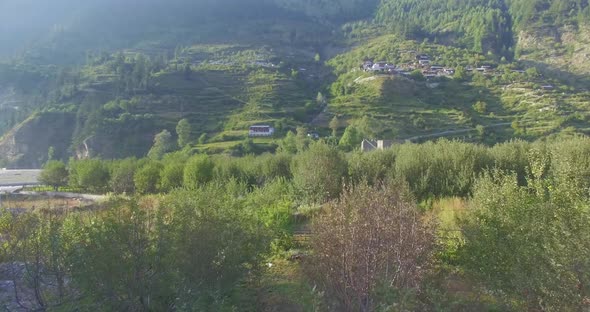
<point>294,155</point>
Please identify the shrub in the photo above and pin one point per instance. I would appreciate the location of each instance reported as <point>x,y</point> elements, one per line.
<point>369,238</point>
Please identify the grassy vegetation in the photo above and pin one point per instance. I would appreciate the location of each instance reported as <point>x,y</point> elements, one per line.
<point>405,108</point>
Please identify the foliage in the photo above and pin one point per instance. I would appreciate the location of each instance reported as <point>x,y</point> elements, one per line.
<point>289,143</point>
<point>334,125</point>
<point>479,25</point>
<point>198,171</point>
<point>480,107</point>
<point>371,236</point>
<point>172,176</point>
<point>351,139</point>
<point>529,243</point>
<point>89,175</point>
<point>183,130</point>
<point>372,168</point>
<point>319,172</point>
<point>522,242</point>
<point>122,176</point>
<point>163,144</point>
<point>444,168</point>
<point>231,242</point>
<point>54,174</point>
<point>147,177</point>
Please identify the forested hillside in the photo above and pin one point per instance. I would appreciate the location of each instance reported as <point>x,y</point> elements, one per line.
<point>126,71</point>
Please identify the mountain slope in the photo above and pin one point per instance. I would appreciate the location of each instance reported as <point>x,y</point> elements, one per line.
<point>122,72</point>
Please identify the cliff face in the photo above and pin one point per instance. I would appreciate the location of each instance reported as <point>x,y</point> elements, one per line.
<point>27,145</point>
<point>563,51</point>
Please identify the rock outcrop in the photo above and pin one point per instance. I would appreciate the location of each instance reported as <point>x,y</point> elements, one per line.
<point>27,145</point>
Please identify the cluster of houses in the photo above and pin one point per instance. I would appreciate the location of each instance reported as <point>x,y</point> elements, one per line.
<point>425,64</point>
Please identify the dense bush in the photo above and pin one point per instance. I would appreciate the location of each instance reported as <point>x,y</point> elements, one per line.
<point>319,173</point>
<point>444,168</point>
<point>529,244</point>
<point>198,171</point>
<point>89,175</point>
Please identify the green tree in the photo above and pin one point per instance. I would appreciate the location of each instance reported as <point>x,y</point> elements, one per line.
<point>172,176</point>
<point>89,175</point>
<point>231,244</point>
<point>367,127</point>
<point>302,139</point>
<point>351,139</point>
<point>198,171</point>
<point>480,107</point>
<point>319,172</point>
<point>481,131</point>
<point>147,178</point>
<point>460,73</point>
<point>334,125</point>
<point>122,176</point>
<point>163,143</point>
<point>54,174</point>
<point>320,99</point>
<point>202,138</point>
<point>532,73</point>
<point>289,143</point>
<point>123,254</point>
<point>183,130</point>
<point>417,75</point>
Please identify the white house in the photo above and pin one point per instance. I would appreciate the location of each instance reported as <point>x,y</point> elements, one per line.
<point>379,66</point>
<point>424,62</point>
<point>261,130</point>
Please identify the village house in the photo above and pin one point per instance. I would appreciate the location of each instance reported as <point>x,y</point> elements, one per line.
<point>367,65</point>
<point>422,57</point>
<point>449,71</point>
<point>379,66</point>
<point>485,69</point>
<point>261,131</point>
<point>424,62</point>
<point>371,145</point>
<point>313,135</point>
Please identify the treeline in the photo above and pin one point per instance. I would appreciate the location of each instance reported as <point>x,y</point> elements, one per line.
<point>553,12</point>
<point>317,169</point>
<point>481,25</point>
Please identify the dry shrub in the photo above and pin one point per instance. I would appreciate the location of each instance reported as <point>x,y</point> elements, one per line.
<point>369,239</point>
